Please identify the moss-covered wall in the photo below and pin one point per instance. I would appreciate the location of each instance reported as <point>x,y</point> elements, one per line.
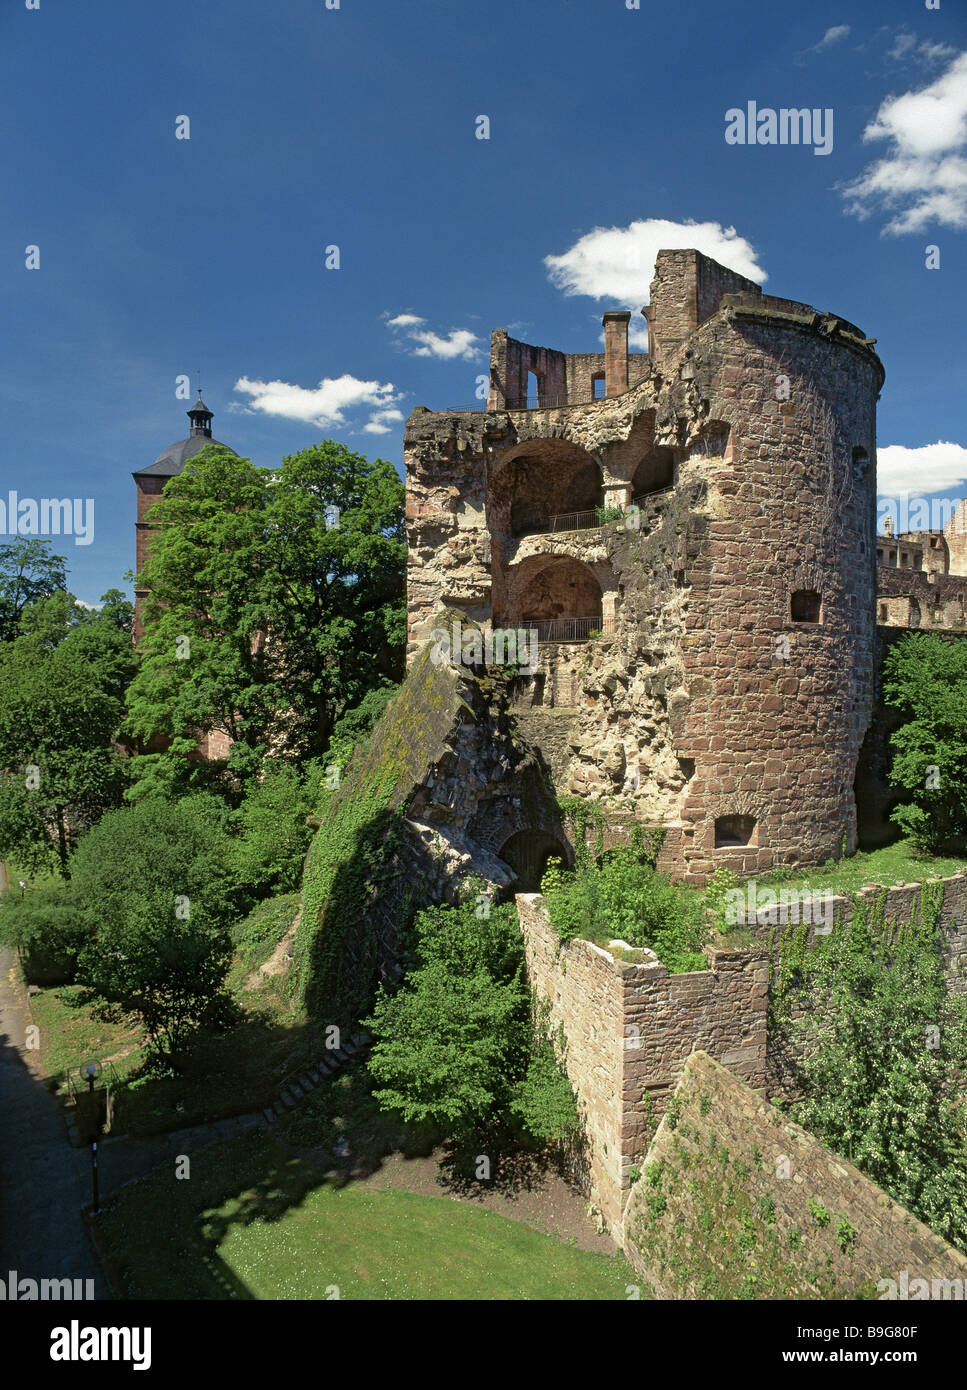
<point>426,803</point>
<point>736,1201</point>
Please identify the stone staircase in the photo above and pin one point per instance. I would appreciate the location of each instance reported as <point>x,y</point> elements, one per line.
<point>299,1090</point>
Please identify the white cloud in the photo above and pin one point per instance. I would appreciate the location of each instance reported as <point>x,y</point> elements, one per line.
<point>459,342</point>
<point>906,47</point>
<point>618,263</point>
<point>324,405</point>
<point>381,421</point>
<point>831,36</point>
<point>923,177</point>
<point>922,471</point>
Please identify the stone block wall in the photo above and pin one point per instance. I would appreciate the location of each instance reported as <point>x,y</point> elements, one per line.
<point>736,1201</point>
<point>630,1025</point>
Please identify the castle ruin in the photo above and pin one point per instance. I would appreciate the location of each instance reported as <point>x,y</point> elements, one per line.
<point>690,534</point>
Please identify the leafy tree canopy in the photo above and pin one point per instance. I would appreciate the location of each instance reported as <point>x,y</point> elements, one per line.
<point>925,678</point>
<point>885,1053</point>
<point>62,685</point>
<point>28,572</point>
<point>269,616</point>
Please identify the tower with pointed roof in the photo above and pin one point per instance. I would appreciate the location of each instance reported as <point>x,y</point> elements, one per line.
<point>150,482</point>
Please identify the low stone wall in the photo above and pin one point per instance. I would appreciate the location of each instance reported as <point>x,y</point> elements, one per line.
<point>736,1201</point>
<point>901,903</point>
<point>630,1025</point>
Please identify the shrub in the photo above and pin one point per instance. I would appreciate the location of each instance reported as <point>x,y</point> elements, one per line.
<point>460,1045</point>
<point>624,896</point>
<point>49,928</point>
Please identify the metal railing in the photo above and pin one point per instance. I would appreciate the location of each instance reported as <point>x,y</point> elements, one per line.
<point>569,629</point>
<point>543,403</point>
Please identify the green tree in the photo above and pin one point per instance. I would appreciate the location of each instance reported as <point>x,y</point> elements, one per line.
<point>457,1046</point>
<point>265,620</point>
<point>925,678</point>
<point>62,684</point>
<point>884,1056</point>
<point>155,883</point>
<point>272,835</point>
<point>28,572</point>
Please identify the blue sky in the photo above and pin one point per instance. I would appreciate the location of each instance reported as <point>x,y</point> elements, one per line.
<point>356,127</point>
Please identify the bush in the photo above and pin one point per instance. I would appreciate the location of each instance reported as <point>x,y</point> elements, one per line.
<point>884,1056</point>
<point>49,928</point>
<point>272,835</point>
<point>624,896</point>
<point>155,884</point>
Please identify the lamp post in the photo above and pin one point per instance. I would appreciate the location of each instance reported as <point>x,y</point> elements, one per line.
<point>90,1071</point>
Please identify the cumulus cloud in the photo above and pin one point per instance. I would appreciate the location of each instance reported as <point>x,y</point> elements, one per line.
<point>923,176</point>
<point>924,470</point>
<point>324,405</point>
<point>618,263</point>
<point>423,342</point>
<point>381,421</point>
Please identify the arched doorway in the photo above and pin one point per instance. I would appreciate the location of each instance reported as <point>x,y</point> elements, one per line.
<point>527,852</point>
<point>655,472</point>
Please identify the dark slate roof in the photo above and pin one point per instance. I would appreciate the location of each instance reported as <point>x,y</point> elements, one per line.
<point>172,462</point>
<point>199,406</point>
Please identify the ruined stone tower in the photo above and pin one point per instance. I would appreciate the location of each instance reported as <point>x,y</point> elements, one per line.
<point>690,534</point>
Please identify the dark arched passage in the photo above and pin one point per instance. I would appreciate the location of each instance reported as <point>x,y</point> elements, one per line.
<point>527,852</point>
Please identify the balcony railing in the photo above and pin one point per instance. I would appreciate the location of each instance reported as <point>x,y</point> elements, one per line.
<point>569,629</point>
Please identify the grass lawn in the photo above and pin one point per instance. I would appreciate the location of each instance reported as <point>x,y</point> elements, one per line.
<point>71,1033</point>
<point>897,863</point>
<point>253,1222</point>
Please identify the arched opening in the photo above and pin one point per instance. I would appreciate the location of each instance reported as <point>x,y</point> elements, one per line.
<point>806,606</point>
<point>535,390</point>
<point>561,598</point>
<point>731,831</point>
<point>655,472</point>
<point>551,485</point>
<point>528,852</point>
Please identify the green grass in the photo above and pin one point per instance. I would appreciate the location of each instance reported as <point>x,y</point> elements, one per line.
<point>253,1222</point>
<point>897,863</point>
<point>72,1032</point>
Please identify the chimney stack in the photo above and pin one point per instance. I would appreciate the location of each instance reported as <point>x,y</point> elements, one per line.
<point>616,351</point>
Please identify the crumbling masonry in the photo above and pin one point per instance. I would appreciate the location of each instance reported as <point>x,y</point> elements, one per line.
<point>690,533</point>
